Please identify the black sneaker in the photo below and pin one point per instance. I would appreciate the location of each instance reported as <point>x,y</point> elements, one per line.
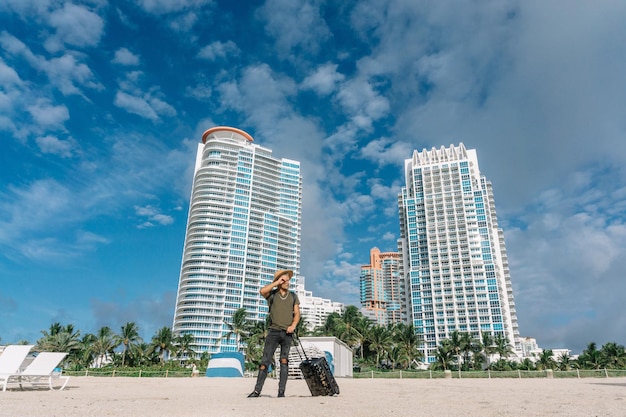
<point>281,395</point>
<point>254,394</point>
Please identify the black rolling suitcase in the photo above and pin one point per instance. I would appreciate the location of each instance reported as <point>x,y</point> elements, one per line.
<point>317,374</point>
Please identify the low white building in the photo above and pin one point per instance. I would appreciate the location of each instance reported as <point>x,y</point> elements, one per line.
<point>341,353</point>
<point>531,350</point>
<point>314,310</point>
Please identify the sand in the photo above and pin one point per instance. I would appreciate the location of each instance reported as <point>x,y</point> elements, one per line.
<point>190,397</point>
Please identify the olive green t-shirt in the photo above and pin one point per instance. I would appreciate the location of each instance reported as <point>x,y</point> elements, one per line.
<point>281,310</point>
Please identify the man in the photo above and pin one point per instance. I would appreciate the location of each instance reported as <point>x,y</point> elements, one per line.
<point>284,311</point>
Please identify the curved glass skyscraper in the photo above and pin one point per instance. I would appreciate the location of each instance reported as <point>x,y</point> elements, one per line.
<point>244,223</point>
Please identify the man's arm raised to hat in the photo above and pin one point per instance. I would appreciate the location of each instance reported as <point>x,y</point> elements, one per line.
<point>266,291</point>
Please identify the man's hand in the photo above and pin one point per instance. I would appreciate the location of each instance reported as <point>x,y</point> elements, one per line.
<point>291,329</point>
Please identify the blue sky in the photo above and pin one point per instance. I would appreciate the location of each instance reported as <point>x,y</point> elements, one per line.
<point>102,104</point>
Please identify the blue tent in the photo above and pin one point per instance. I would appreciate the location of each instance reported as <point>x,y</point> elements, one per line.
<point>226,364</point>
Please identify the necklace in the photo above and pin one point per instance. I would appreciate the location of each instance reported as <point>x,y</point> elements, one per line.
<point>283,298</point>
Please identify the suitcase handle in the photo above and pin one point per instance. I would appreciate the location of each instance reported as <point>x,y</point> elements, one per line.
<point>296,340</point>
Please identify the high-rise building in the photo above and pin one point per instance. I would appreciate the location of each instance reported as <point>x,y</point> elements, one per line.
<point>244,224</point>
<point>381,287</point>
<point>454,257</point>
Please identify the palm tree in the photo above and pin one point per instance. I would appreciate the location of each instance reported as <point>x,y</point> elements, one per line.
<point>546,360</point>
<point>362,328</point>
<point>85,356</point>
<point>256,340</point>
<point>345,326</point>
<point>591,358</point>
<point>409,341</point>
<point>380,339</point>
<point>103,345</point>
<point>128,338</point>
<point>162,342</point>
<point>444,355</point>
<point>62,339</point>
<point>59,339</point>
<point>55,328</point>
<point>237,326</point>
<point>502,346</point>
<point>526,365</point>
<point>478,358</point>
<point>397,356</point>
<point>184,343</point>
<point>502,365</point>
<point>468,345</point>
<point>302,328</point>
<point>328,328</point>
<point>565,362</point>
<point>489,346</point>
<point>457,345</point>
<point>613,355</point>
<point>142,354</point>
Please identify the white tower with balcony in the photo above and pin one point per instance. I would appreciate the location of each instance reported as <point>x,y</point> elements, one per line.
<point>244,223</point>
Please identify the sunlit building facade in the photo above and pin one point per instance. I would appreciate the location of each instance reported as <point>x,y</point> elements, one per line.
<point>381,287</point>
<point>453,253</point>
<point>244,223</point>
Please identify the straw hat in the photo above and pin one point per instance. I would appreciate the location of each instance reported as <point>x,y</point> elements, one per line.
<point>280,272</point>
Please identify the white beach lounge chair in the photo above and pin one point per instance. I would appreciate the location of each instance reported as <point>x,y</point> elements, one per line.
<point>41,371</point>
<point>11,360</point>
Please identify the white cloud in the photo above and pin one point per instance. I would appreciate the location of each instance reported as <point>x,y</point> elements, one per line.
<point>52,145</point>
<point>14,46</point>
<point>153,216</point>
<point>161,107</point>
<point>125,57</point>
<point>89,238</point>
<point>147,104</point>
<point>7,124</point>
<point>75,26</point>
<point>566,258</point>
<point>218,49</point>
<point>297,27</point>
<point>64,72</point>
<point>200,91</point>
<point>43,205</point>
<point>135,105</point>
<point>26,8</point>
<point>8,76</point>
<point>385,151</point>
<point>148,107</point>
<point>340,277</point>
<point>159,7</point>
<point>360,100</point>
<point>49,116</point>
<point>184,22</point>
<point>324,80</point>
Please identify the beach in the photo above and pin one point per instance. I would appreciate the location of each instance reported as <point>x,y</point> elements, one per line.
<point>201,396</point>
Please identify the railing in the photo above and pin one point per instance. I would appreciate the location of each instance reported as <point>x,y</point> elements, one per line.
<point>391,374</point>
<point>576,373</point>
<point>137,373</point>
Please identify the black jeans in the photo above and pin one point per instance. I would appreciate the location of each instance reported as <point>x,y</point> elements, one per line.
<point>275,338</point>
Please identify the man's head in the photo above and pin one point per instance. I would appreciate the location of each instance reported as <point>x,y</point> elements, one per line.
<point>283,275</point>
